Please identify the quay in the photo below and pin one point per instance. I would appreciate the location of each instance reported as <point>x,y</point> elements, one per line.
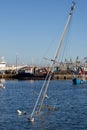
<point>64,71</point>
<point>55,77</point>
<point>7,76</point>
<point>67,76</point>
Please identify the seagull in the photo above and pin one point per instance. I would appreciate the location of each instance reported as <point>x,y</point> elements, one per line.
<point>19,112</point>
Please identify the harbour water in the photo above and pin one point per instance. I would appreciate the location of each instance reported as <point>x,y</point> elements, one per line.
<point>70,100</point>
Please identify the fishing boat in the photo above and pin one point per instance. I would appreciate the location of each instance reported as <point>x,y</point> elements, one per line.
<point>43,92</point>
<point>28,76</point>
<point>77,81</point>
<point>81,78</point>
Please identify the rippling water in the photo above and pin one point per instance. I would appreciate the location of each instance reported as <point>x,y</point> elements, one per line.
<point>70,100</point>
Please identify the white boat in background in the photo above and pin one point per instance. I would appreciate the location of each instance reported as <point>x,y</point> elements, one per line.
<point>4,67</point>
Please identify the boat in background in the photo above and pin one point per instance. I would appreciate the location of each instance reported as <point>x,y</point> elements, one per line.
<point>78,81</point>
<point>4,67</point>
<point>81,79</point>
<point>28,76</point>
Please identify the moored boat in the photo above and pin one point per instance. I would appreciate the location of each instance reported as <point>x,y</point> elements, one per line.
<point>78,81</point>
<point>29,76</point>
<point>81,78</point>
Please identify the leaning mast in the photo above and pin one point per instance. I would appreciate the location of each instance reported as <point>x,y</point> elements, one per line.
<point>57,52</point>
<point>48,77</point>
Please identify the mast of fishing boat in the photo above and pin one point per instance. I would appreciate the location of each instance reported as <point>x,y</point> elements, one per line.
<point>57,52</point>
<point>49,75</point>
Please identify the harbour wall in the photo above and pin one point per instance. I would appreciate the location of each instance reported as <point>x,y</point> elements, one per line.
<point>55,76</point>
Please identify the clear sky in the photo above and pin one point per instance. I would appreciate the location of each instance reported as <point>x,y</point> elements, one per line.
<point>29,27</point>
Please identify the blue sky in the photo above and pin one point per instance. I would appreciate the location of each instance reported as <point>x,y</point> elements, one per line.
<point>28,29</point>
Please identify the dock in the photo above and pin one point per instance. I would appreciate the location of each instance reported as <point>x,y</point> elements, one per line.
<point>55,77</point>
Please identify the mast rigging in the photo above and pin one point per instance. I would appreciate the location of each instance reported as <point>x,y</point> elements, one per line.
<point>49,75</point>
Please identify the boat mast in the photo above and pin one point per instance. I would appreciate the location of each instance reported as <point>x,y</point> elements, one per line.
<point>49,75</point>
<point>57,52</point>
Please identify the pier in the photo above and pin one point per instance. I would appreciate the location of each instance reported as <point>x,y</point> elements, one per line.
<point>55,77</point>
